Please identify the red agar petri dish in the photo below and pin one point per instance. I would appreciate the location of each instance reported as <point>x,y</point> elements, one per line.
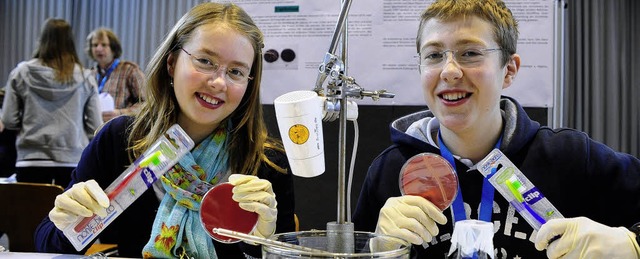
<point>219,210</point>
<point>430,176</point>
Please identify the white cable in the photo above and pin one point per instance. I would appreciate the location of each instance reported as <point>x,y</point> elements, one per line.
<point>356,133</point>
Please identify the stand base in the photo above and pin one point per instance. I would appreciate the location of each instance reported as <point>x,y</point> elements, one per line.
<point>340,237</point>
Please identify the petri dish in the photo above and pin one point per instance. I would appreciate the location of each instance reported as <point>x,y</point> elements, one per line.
<point>219,210</point>
<point>271,56</point>
<point>288,55</point>
<point>430,176</point>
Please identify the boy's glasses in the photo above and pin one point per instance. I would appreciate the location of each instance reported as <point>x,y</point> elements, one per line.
<point>464,58</point>
<point>235,75</point>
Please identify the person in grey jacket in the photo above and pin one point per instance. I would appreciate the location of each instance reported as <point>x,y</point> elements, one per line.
<point>53,104</point>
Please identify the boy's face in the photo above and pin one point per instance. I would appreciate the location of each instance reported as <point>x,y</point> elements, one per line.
<point>463,91</point>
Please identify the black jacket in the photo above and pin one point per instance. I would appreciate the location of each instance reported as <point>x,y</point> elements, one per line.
<point>106,158</point>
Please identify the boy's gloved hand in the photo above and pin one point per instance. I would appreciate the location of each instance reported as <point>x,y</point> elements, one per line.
<point>256,195</point>
<point>412,218</point>
<point>584,238</point>
<point>83,199</point>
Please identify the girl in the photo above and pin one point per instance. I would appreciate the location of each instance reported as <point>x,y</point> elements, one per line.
<point>205,77</point>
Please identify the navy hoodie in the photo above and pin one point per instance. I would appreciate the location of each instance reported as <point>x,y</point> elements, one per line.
<point>578,175</point>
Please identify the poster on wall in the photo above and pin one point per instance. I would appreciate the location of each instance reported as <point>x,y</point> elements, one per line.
<point>381,52</point>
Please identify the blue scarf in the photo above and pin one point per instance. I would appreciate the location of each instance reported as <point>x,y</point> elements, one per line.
<point>177,230</point>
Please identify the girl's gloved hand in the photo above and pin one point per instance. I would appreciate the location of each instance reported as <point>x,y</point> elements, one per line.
<point>83,199</point>
<point>256,195</point>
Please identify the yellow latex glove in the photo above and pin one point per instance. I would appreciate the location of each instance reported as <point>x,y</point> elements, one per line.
<point>256,195</point>
<point>83,199</point>
<point>584,238</point>
<point>412,218</point>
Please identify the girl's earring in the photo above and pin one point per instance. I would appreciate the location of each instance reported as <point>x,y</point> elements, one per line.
<point>171,82</point>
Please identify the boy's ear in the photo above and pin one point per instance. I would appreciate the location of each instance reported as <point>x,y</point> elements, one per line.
<point>512,68</point>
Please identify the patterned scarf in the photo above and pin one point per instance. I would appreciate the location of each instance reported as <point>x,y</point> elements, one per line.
<point>177,230</point>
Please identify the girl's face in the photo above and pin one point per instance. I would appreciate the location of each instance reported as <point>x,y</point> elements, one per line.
<point>207,96</point>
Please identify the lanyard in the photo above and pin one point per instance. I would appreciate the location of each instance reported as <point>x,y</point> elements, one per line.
<point>486,203</point>
<point>103,79</point>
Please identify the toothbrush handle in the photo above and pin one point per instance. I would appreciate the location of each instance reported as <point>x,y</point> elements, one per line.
<point>533,213</point>
<point>111,196</point>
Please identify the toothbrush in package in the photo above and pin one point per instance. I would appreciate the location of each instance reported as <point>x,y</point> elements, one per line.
<point>163,154</point>
<point>514,186</point>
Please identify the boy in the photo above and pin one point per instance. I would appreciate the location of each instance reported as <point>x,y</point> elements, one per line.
<point>467,52</point>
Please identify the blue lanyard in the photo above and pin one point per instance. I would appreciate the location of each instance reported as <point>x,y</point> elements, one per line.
<point>486,203</point>
<point>103,79</point>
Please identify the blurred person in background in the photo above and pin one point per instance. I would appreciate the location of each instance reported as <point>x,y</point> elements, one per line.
<point>53,104</point>
<point>121,80</point>
<point>7,148</point>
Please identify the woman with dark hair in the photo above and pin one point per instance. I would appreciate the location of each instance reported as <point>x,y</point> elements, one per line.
<point>53,104</point>
<point>205,76</point>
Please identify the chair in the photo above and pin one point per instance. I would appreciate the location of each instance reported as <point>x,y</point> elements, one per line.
<point>24,206</point>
